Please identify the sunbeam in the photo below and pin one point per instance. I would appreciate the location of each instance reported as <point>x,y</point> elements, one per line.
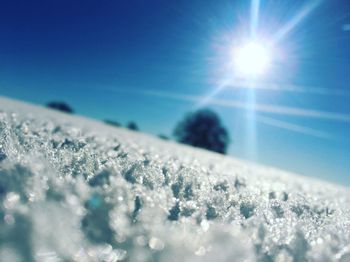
<point>291,24</point>
<point>294,127</point>
<point>254,14</point>
<point>206,99</point>
<point>264,108</point>
<point>293,88</point>
<point>251,60</point>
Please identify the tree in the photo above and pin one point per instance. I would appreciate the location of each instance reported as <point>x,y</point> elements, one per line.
<point>60,106</point>
<point>132,126</point>
<point>203,129</point>
<point>164,137</point>
<point>112,122</point>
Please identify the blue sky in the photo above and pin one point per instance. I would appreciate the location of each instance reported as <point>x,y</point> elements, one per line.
<point>153,61</point>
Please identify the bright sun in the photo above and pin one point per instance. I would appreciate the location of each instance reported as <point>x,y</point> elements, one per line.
<point>251,59</point>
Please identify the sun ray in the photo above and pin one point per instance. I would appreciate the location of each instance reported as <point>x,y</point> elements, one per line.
<point>254,14</point>
<point>263,108</point>
<point>294,127</point>
<point>299,17</point>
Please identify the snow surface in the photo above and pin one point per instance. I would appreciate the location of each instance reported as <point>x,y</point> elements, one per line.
<point>73,189</point>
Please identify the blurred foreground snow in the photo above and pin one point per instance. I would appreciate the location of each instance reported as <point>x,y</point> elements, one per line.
<point>73,189</point>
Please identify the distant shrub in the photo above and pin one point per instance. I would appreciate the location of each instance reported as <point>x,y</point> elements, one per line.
<point>132,126</point>
<point>164,137</point>
<point>112,122</point>
<point>60,106</point>
<point>203,128</point>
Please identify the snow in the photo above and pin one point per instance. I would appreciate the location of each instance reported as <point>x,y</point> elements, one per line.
<point>73,189</point>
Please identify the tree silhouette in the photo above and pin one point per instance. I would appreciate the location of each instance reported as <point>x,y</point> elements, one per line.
<point>60,106</point>
<point>164,137</point>
<point>203,129</point>
<point>112,122</point>
<point>132,126</point>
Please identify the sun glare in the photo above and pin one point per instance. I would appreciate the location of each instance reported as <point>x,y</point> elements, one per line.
<point>251,60</point>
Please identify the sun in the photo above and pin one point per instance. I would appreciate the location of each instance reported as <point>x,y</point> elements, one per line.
<point>251,59</point>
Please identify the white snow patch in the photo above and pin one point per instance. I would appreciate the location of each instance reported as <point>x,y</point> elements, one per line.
<point>73,189</point>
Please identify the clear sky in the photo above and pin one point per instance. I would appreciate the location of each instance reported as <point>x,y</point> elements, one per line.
<point>153,61</point>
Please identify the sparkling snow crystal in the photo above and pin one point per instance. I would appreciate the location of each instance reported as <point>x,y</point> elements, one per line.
<point>72,189</point>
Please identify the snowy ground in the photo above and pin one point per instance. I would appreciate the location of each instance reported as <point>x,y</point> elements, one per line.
<point>73,189</point>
